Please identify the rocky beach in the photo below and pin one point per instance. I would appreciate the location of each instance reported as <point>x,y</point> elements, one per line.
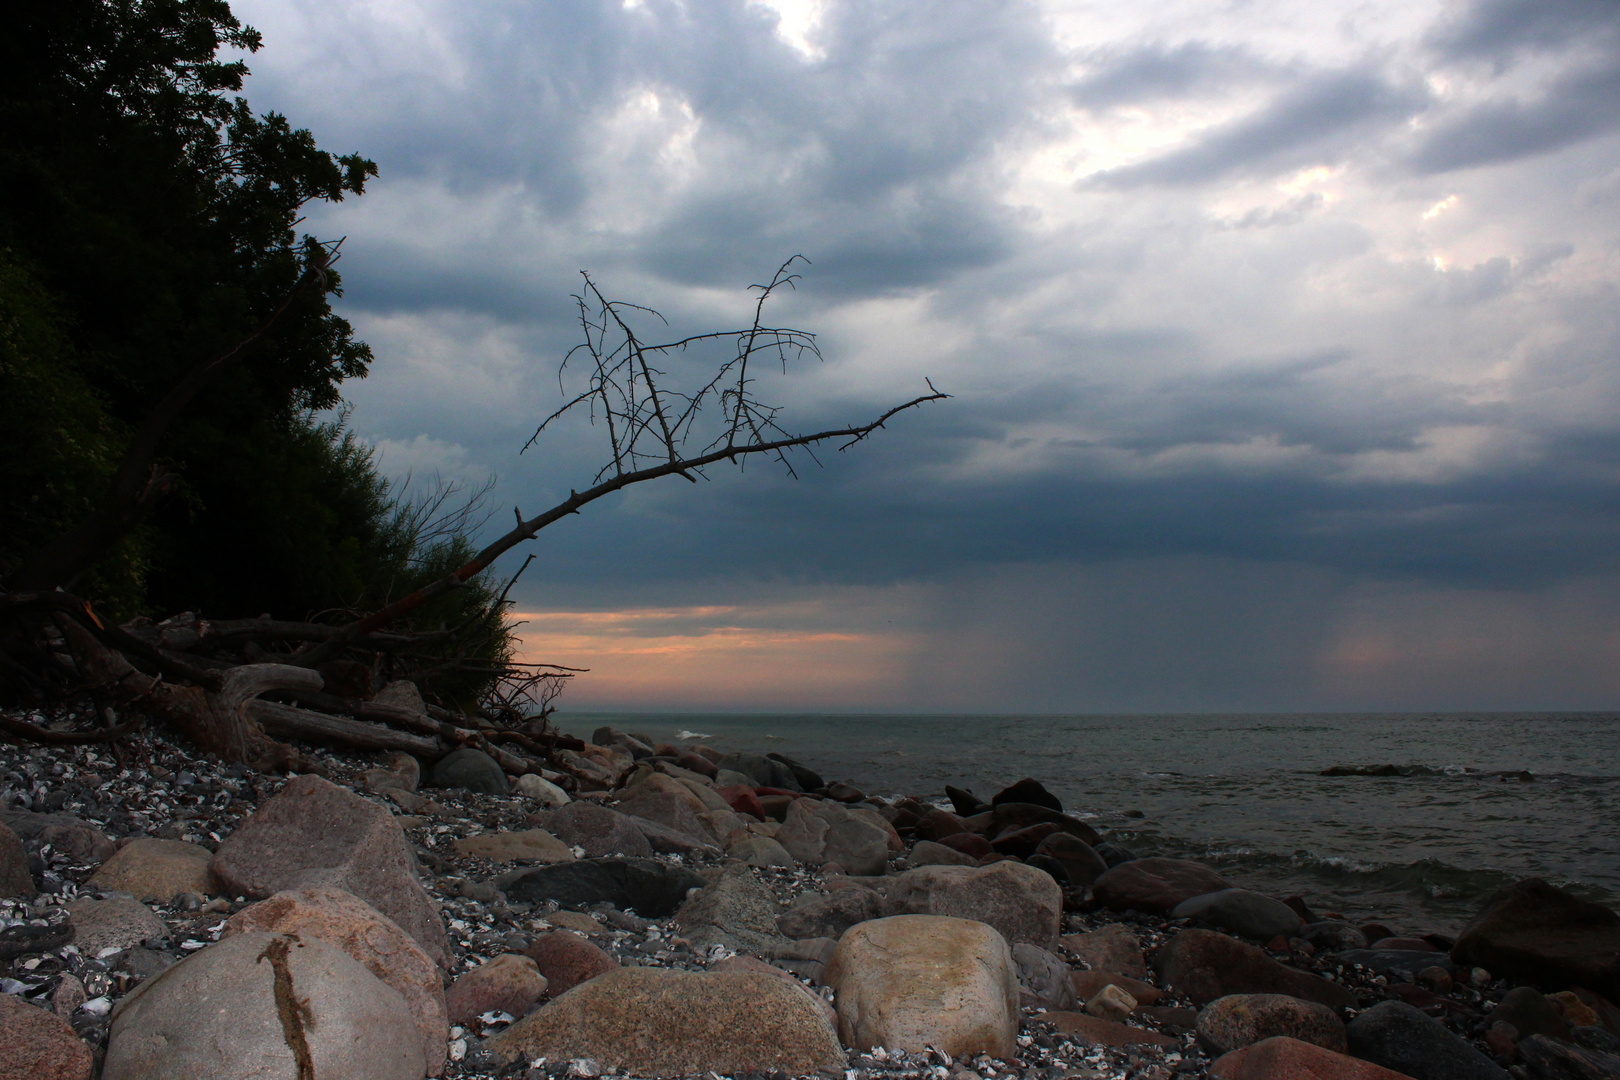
<point>658,910</point>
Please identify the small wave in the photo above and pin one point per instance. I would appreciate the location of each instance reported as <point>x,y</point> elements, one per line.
<point>1521,775</point>
<point>693,735</point>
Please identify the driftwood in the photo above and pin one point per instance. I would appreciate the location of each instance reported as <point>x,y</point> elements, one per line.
<point>294,723</point>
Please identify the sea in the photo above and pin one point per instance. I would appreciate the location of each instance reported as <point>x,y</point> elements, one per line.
<point>1410,819</point>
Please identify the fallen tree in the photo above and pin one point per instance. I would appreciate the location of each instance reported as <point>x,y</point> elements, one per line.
<point>238,686</point>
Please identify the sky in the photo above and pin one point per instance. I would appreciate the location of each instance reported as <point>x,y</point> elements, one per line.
<point>1283,338</point>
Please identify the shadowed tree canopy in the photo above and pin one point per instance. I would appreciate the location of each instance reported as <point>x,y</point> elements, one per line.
<point>148,221</point>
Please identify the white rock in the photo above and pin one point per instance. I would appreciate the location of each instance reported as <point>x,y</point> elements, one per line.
<point>543,791</point>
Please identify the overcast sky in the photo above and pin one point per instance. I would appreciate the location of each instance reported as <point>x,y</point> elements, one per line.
<point>1284,337</point>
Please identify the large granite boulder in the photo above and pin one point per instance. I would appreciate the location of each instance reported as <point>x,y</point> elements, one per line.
<point>736,912</point>
<point>1282,1058</point>
<point>1533,930</point>
<point>1239,1020</point>
<point>677,810</point>
<point>369,937</point>
<point>763,771</point>
<point>1205,965</point>
<point>651,888</point>
<point>314,834</point>
<point>1155,886</point>
<point>913,981</point>
<point>38,1045</point>
<point>597,830</point>
<point>658,1023</point>
<point>1397,1036</point>
<point>818,831</point>
<point>1239,911</point>
<point>262,1005</point>
<point>1023,903</point>
<point>151,869</point>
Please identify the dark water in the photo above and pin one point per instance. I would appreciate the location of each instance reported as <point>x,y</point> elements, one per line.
<point>1420,849</point>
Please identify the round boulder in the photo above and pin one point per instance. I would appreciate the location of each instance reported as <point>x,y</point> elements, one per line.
<point>1239,911</point>
<point>262,1004</point>
<point>1239,1020</point>
<point>1155,886</point>
<point>157,869</point>
<point>1020,901</point>
<point>914,981</point>
<point>471,770</point>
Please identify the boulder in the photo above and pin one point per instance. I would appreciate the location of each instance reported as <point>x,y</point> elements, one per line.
<point>744,962</point>
<point>970,844</point>
<point>817,832</point>
<point>38,1045</point>
<point>1327,937</point>
<point>1397,1036</point>
<point>1606,1011</point>
<point>1027,791</point>
<point>1239,911</point>
<point>1239,1020</point>
<point>1535,931</point>
<point>15,880</point>
<point>81,842</point>
<point>1111,1002</point>
<point>831,915</point>
<point>808,778</point>
<point>1155,886</point>
<point>928,853</point>
<point>598,830</point>
<point>315,834</point>
<point>914,981</point>
<point>651,888</point>
<point>658,1023</point>
<point>1013,815</point>
<point>763,771</point>
<point>736,911</point>
<point>678,812</point>
<point>1282,1058</point>
<point>1021,843</point>
<point>1043,979</point>
<point>1111,947</point>
<point>402,773</point>
<point>510,983</point>
<point>115,923</point>
<point>528,845</point>
<point>261,1004</point>
<point>157,870</point>
<point>964,802</point>
<point>1096,1031</point>
<point>471,770</point>
<point>1205,965</point>
<point>754,850</point>
<point>742,800</point>
<point>937,824</point>
<point>1083,865</point>
<point>1546,1059</point>
<point>369,937</point>
<point>1023,903</point>
<point>1530,1013</point>
<point>539,789</point>
<point>566,959</point>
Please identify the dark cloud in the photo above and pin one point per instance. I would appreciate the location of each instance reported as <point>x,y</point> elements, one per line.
<point>1309,123</point>
<point>1572,109</point>
<point>1158,71</point>
<point>1501,30</point>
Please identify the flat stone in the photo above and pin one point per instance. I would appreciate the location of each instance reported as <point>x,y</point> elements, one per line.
<point>1397,1036</point>
<point>255,1005</point>
<point>471,770</point>
<point>1239,911</point>
<point>1095,1031</point>
<point>736,911</point>
<point>368,937</point>
<point>566,959</point>
<point>1535,931</point>
<point>1155,886</point>
<point>314,834</point>
<point>831,915</point>
<point>158,870</point>
<point>1239,1020</point>
<point>1021,902</point>
<point>510,983</point>
<point>909,982</point>
<point>119,922</point>
<point>598,830</point>
<point>1205,965</point>
<point>529,845</point>
<point>1282,1058</point>
<point>1112,947</point>
<point>15,880</point>
<point>658,1023</point>
<point>651,888</point>
<point>38,1045</point>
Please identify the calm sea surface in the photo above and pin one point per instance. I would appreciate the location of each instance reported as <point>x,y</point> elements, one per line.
<point>1421,849</point>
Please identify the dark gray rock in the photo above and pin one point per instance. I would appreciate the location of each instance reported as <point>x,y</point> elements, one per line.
<point>1043,978</point>
<point>807,777</point>
<point>80,841</point>
<point>736,911</point>
<point>1029,791</point>
<point>1544,934</point>
<point>1333,936</point>
<point>831,915</point>
<point>15,879</point>
<point>1113,854</point>
<point>471,770</point>
<point>598,830</point>
<point>763,771</point>
<point>1397,1036</point>
<point>1010,816</point>
<point>1056,869</point>
<point>1530,1013</point>
<point>1546,1059</point>
<point>651,888</point>
<point>1239,911</point>
<point>964,801</point>
<point>1080,861</point>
